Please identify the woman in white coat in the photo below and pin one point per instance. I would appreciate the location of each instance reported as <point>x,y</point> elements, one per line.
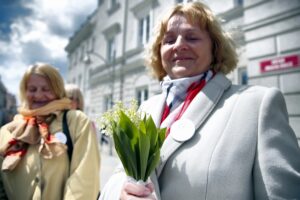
<point>224,141</point>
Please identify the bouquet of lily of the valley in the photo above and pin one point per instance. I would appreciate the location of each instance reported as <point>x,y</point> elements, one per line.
<point>137,139</point>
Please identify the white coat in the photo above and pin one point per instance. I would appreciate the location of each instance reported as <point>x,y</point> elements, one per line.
<point>242,148</point>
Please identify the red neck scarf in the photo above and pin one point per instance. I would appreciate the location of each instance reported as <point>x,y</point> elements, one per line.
<point>191,92</point>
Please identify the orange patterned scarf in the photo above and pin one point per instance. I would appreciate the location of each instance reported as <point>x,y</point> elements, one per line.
<point>32,127</point>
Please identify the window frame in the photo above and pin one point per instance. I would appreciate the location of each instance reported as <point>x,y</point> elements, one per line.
<point>108,102</point>
<point>142,94</point>
<point>144,29</point>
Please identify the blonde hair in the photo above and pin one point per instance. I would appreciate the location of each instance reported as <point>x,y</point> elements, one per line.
<point>51,74</point>
<point>74,93</point>
<point>224,55</point>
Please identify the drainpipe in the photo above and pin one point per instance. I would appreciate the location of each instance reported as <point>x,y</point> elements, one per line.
<point>124,42</point>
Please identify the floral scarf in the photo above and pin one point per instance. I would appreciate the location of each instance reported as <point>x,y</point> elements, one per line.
<point>32,127</point>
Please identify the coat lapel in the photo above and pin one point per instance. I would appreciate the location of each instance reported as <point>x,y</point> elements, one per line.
<point>201,106</point>
<point>155,107</point>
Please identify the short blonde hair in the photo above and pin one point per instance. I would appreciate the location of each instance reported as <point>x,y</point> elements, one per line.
<point>51,74</point>
<point>74,93</point>
<point>224,54</point>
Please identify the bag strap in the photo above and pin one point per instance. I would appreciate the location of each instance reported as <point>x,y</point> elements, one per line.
<point>67,133</point>
<point>69,140</point>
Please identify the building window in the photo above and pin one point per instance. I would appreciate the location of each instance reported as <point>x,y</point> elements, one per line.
<point>100,2</point>
<point>111,49</point>
<point>143,12</point>
<point>141,95</point>
<point>144,29</point>
<point>83,52</point>
<point>242,76</point>
<point>110,35</point>
<point>91,44</point>
<point>183,1</point>
<point>74,59</point>
<point>80,82</point>
<point>108,102</point>
<point>75,55</point>
<point>114,5</point>
<point>238,2</point>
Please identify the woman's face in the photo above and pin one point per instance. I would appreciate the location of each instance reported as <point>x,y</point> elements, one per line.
<point>38,91</point>
<point>186,50</point>
<point>74,104</point>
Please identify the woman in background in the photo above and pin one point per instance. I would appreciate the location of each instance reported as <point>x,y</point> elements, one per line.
<point>75,95</point>
<point>34,160</point>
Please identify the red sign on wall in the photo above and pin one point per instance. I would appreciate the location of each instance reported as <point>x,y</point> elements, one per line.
<point>280,63</point>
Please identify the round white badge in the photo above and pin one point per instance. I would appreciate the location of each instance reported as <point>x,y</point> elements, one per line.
<point>60,136</point>
<point>182,130</point>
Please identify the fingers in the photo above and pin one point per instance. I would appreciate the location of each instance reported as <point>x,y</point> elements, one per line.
<point>130,197</point>
<point>133,191</point>
<point>137,189</point>
<point>150,186</point>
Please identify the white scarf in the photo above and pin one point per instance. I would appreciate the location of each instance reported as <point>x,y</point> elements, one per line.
<point>176,89</point>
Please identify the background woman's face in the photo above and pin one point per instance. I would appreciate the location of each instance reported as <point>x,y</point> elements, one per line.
<point>38,91</point>
<point>186,50</point>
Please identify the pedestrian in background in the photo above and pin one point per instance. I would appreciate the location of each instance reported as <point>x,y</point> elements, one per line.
<point>37,159</point>
<point>224,141</point>
<point>74,93</point>
<point>3,117</point>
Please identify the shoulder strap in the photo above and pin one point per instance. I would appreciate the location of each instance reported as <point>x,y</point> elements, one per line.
<point>67,133</point>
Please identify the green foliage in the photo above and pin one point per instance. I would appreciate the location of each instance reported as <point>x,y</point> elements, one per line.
<point>137,139</point>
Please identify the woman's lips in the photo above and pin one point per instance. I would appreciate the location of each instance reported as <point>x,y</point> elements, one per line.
<point>181,59</point>
<point>39,104</point>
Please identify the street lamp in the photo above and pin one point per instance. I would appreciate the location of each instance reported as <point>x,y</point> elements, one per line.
<point>87,60</point>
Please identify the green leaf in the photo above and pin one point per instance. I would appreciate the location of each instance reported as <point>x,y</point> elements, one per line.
<point>142,125</point>
<point>129,128</point>
<point>144,147</point>
<point>161,136</point>
<point>153,162</point>
<point>126,147</point>
<point>152,132</point>
<point>122,155</point>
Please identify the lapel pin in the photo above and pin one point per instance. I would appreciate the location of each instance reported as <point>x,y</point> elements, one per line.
<point>182,130</point>
<point>61,137</point>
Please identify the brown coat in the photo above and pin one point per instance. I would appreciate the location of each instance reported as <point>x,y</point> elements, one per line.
<point>54,179</point>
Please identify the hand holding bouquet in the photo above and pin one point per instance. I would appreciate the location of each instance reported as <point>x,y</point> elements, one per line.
<point>137,140</point>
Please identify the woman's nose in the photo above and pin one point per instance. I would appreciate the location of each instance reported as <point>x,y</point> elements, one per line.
<point>180,44</point>
<point>38,94</point>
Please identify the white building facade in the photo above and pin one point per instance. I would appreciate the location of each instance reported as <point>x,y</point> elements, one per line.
<point>272,36</point>
<point>106,54</point>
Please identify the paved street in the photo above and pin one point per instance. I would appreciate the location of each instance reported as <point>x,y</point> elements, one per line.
<point>108,164</point>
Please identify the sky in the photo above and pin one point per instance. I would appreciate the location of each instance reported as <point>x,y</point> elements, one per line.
<point>37,31</point>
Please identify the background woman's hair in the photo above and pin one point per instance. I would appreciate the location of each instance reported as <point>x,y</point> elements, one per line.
<point>74,93</point>
<point>52,75</point>
<point>223,48</point>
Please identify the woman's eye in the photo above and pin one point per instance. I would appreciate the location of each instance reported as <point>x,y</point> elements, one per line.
<point>46,89</point>
<point>30,89</point>
<point>192,38</point>
<point>168,41</point>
